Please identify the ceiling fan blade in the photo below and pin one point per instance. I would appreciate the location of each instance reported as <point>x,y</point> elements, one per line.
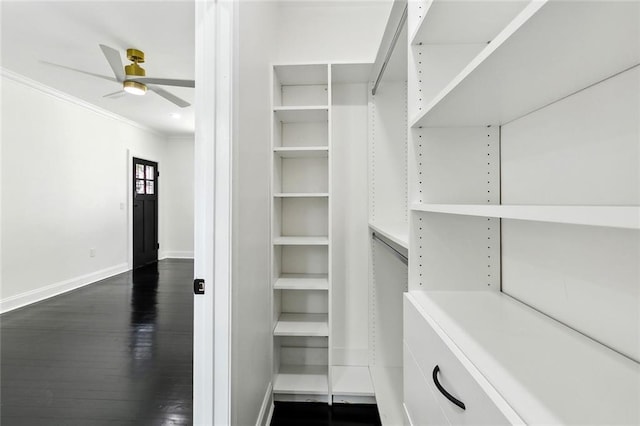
<point>104,77</point>
<point>169,96</point>
<point>115,95</point>
<point>115,61</point>
<point>164,81</point>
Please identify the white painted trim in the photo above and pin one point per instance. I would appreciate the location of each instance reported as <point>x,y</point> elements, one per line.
<point>55,289</point>
<point>176,255</point>
<point>267,404</point>
<point>1,210</point>
<point>330,228</point>
<point>407,417</point>
<point>19,78</point>
<point>203,324</point>
<point>270,416</point>
<point>226,40</point>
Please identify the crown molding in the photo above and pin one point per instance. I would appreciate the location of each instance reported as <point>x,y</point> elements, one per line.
<point>26,81</point>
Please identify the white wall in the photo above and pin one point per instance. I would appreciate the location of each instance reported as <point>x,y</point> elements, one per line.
<point>65,191</point>
<point>330,31</point>
<point>252,334</point>
<point>176,180</point>
<point>350,231</point>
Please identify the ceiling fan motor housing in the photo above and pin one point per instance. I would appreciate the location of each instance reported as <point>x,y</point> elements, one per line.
<point>136,56</point>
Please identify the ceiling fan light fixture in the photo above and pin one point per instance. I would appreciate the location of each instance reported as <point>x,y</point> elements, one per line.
<point>134,88</point>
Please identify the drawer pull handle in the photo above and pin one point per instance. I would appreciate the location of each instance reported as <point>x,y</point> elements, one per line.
<point>444,391</point>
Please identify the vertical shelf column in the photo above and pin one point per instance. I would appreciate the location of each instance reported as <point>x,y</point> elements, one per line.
<point>300,224</point>
<point>329,165</point>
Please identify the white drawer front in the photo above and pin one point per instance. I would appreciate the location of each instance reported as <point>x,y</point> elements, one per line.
<point>429,350</point>
<point>419,401</point>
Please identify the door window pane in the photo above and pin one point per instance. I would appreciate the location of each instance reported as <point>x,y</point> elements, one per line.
<point>149,187</point>
<point>139,186</point>
<point>150,174</point>
<point>139,171</point>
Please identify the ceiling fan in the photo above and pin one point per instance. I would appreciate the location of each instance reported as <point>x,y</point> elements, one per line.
<point>133,77</point>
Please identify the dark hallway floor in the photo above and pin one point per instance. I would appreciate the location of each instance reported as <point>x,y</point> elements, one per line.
<point>118,352</point>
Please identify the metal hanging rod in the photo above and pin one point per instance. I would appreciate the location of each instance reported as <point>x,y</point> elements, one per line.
<point>392,46</point>
<point>395,251</point>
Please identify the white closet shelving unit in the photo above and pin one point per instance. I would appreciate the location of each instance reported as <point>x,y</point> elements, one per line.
<point>301,237</point>
<point>524,281</point>
<point>312,238</point>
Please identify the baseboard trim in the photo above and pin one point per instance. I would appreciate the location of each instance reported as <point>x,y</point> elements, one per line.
<point>177,255</point>
<point>55,289</point>
<point>407,417</point>
<point>264,417</point>
<point>270,416</point>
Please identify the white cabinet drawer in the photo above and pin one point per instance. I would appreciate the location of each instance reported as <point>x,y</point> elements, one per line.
<point>430,351</point>
<point>420,402</point>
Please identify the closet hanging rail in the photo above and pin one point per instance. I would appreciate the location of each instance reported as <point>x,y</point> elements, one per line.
<point>392,46</point>
<point>395,251</point>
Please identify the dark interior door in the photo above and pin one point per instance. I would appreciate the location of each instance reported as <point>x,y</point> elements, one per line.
<point>145,212</point>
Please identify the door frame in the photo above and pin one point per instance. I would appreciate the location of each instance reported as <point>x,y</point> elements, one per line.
<point>131,154</point>
<point>216,38</point>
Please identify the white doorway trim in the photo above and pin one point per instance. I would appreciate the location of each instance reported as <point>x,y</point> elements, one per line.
<point>212,239</point>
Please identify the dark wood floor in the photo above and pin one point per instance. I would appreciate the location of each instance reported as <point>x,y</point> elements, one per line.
<point>118,352</point>
<point>317,414</point>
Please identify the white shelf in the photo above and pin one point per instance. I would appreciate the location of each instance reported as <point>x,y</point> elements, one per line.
<point>351,381</point>
<point>301,379</point>
<point>398,232</point>
<point>301,151</point>
<point>533,62</point>
<point>302,325</point>
<point>302,282</point>
<point>301,194</point>
<point>608,216</point>
<point>455,22</point>
<point>301,241</point>
<point>548,373</point>
<point>301,114</point>
<point>387,384</point>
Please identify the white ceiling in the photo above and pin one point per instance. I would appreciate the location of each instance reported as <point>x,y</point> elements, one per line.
<point>69,32</point>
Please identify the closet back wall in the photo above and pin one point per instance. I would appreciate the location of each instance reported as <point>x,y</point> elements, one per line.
<point>591,288</point>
